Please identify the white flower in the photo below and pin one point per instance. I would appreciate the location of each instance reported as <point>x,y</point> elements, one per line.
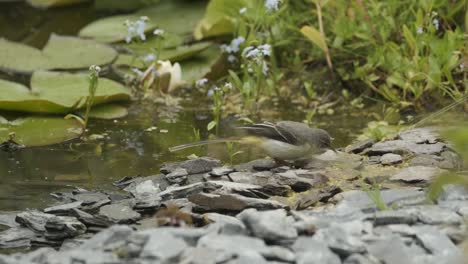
<point>95,68</point>
<point>264,68</point>
<point>174,70</point>
<point>272,5</point>
<point>231,58</point>
<point>462,66</point>
<point>242,10</point>
<point>265,49</point>
<point>150,57</point>
<point>158,32</point>
<point>228,85</point>
<point>210,92</point>
<point>233,47</point>
<point>136,29</point>
<point>419,30</point>
<point>137,71</point>
<point>201,82</point>
<point>436,23</point>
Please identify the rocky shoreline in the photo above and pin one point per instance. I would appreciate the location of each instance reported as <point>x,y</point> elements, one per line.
<point>199,211</point>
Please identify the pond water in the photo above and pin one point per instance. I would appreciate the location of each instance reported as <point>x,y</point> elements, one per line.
<point>124,147</point>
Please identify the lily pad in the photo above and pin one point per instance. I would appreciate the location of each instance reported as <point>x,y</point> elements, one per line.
<point>61,52</point>
<point>40,131</point>
<point>106,111</point>
<point>53,92</point>
<point>203,65</point>
<point>112,5</point>
<point>111,29</point>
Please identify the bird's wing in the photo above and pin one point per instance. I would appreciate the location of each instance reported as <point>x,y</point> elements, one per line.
<point>272,131</point>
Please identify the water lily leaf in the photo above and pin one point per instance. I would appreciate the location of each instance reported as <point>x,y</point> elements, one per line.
<point>220,17</point>
<point>201,65</point>
<point>53,92</point>
<point>53,3</point>
<point>40,131</point>
<point>60,53</point>
<point>112,29</point>
<point>112,5</point>
<point>184,52</point>
<point>106,111</point>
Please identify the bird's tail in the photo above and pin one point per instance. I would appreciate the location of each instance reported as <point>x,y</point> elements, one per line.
<point>202,143</point>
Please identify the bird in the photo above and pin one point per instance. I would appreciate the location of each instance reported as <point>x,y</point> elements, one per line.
<point>282,141</point>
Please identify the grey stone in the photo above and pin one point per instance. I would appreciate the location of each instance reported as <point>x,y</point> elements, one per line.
<point>416,174</point>
<point>8,219</point>
<point>110,238</point>
<point>118,213</point>
<point>390,159</point>
<point>435,215</point>
<point>232,202</point>
<point>425,160</point>
<point>40,255</point>
<point>144,188</point>
<point>243,245</point>
<point>451,192</point>
<point>61,227</point>
<point>361,259</point>
<point>298,184</point>
<point>360,146</point>
<point>420,135</point>
<point>16,237</point>
<point>90,198</point>
<point>162,246</point>
<point>34,220</point>
<point>63,208</point>
<point>90,220</point>
<point>256,165</point>
<point>450,160</point>
<point>392,250</point>
<point>438,243</point>
<point>221,171</point>
<point>176,192</point>
<point>82,256</point>
<point>403,147</point>
<point>203,256</point>
<point>228,224</point>
<point>392,217</point>
<point>310,251</point>
<point>193,166</point>
<point>177,176</point>
<point>272,226</point>
<point>340,241</point>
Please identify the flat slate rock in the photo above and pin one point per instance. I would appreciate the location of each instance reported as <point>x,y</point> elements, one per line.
<point>34,220</point>
<point>193,166</point>
<point>16,237</point>
<point>340,240</point>
<point>416,174</point>
<point>63,209</point>
<point>390,159</point>
<point>226,223</point>
<point>118,213</point>
<point>273,226</point>
<point>61,227</point>
<point>393,250</point>
<point>256,165</point>
<point>232,202</point>
<point>161,246</point>
<point>420,135</point>
<point>311,251</point>
<point>360,146</point>
<point>402,147</point>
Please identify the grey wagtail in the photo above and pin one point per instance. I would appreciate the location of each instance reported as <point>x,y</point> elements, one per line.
<point>284,140</point>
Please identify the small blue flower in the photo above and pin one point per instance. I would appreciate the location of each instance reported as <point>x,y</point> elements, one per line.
<point>419,30</point>
<point>242,10</point>
<point>201,82</point>
<point>272,5</point>
<point>436,23</point>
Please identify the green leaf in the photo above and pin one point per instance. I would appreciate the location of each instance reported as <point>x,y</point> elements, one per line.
<point>184,52</point>
<point>53,92</point>
<point>211,125</point>
<point>53,3</point>
<point>60,53</point>
<point>314,36</point>
<point>40,131</point>
<point>409,38</point>
<point>206,64</point>
<point>112,5</point>
<point>106,111</point>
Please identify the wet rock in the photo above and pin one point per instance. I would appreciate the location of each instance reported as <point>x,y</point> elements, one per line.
<point>360,146</point>
<point>272,226</point>
<point>343,174</point>
<point>390,159</point>
<point>175,192</point>
<point>243,246</point>
<point>340,240</point>
<point>392,250</point>
<point>8,219</point>
<point>228,224</point>
<point>450,160</point>
<point>232,202</point>
<point>34,220</point>
<point>193,166</point>
<point>40,255</point>
<point>89,198</point>
<point>177,176</point>
<point>310,251</point>
<point>61,227</point>
<point>403,147</point>
<point>63,209</point>
<point>298,184</point>
<point>306,199</point>
<point>144,188</point>
<point>420,135</point>
<point>416,174</point>
<point>451,192</point>
<point>162,246</point>
<point>221,171</point>
<point>109,239</point>
<point>361,259</point>
<point>118,213</point>
<point>245,189</point>
<point>256,165</point>
<point>204,256</point>
<point>16,237</point>
<point>392,217</point>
